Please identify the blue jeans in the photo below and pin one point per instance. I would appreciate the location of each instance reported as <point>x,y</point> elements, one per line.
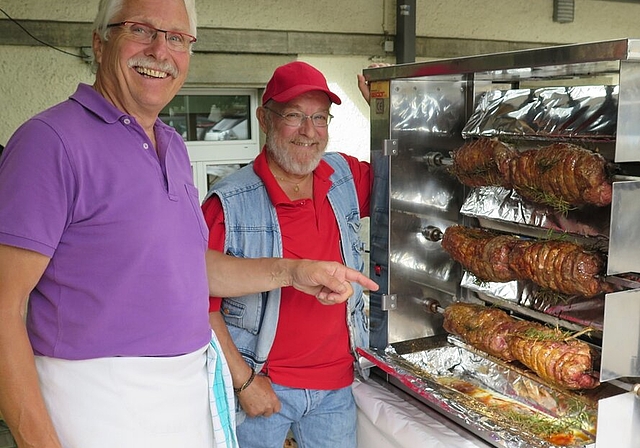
<point>318,419</point>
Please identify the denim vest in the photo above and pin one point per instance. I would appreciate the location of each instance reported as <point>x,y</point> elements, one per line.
<point>253,231</point>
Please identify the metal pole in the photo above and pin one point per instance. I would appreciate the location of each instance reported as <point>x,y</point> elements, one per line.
<point>406,31</point>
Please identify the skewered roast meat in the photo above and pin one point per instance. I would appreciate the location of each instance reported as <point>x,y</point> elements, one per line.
<point>487,329</point>
<point>483,162</point>
<point>560,266</point>
<point>556,265</point>
<point>483,253</point>
<point>561,172</point>
<point>555,358</point>
<point>559,175</point>
<point>559,360</point>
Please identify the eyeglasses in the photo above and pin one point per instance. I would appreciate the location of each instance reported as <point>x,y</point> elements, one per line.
<point>295,119</point>
<point>145,34</point>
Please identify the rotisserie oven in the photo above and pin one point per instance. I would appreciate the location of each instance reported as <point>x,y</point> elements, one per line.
<point>504,237</point>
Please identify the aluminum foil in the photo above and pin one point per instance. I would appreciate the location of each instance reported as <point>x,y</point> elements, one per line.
<point>509,291</point>
<point>580,311</point>
<point>439,103</point>
<point>497,204</point>
<point>439,365</point>
<point>551,112</point>
<point>506,205</point>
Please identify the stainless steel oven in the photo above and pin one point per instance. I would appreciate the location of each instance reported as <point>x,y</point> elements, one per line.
<point>587,95</point>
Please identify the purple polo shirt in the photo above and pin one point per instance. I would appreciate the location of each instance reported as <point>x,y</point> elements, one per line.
<point>82,184</point>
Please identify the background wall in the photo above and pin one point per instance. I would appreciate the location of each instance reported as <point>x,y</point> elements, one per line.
<point>241,42</point>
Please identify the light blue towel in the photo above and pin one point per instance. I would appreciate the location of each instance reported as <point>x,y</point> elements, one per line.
<point>221,399</point>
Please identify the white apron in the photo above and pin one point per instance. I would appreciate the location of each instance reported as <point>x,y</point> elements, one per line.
<point>127,402</point>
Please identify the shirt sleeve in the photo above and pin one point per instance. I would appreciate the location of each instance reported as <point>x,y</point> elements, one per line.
<point>363,178</point>
<point>36,180</point>
<point>214,216</point>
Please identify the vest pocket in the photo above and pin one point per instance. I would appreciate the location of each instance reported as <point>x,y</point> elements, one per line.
<point>243,312</point>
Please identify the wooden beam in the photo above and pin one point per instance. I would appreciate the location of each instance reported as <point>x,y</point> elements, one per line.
<point>59,34</point>
<point>235,41</point>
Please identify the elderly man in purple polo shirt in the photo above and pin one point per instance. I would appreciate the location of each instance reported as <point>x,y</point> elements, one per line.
<point>102,253</point>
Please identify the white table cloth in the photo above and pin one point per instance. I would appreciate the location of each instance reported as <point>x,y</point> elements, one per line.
<point>388,421</point>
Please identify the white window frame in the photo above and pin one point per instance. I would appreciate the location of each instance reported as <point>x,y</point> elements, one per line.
<point>224,152</point>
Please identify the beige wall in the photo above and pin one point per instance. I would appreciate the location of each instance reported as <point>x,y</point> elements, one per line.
<point>511,20</point>
<point>33,78</point>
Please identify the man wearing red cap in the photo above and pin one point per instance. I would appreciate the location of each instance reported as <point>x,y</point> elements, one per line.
<point>292,355</point>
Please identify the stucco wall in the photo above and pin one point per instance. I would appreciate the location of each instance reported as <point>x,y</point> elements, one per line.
<point>511,20</point>
<point>33,78</point>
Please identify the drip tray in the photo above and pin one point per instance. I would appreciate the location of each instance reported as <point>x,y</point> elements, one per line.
<point>500,402</point>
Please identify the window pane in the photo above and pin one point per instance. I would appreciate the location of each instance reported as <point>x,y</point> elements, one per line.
<point>210,117</point>
<point>217,172</point>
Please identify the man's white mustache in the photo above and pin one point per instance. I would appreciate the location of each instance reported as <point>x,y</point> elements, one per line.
<point>152,64</point>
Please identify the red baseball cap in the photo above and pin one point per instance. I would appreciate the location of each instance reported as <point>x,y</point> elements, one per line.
<point>294,79</point>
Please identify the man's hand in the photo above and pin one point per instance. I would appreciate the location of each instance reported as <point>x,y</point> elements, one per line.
<point>363,84</point>
<point>329,282</point>
<point>259,399</point>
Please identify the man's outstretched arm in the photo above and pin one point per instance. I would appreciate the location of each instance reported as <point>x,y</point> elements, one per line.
<point>328,281</point>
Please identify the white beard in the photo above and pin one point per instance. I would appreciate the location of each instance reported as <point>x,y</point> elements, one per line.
<point>299,163</point>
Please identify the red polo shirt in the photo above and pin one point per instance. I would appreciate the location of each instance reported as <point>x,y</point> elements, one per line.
<point>311,347</point>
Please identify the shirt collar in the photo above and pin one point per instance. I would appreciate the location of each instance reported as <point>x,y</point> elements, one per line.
<point>91,100</point>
